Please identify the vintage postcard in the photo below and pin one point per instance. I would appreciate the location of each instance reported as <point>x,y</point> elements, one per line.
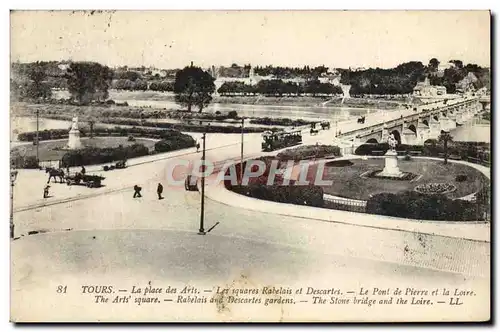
<point>250,166</point>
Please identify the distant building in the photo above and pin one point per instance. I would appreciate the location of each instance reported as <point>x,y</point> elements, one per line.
<point>425,89</point>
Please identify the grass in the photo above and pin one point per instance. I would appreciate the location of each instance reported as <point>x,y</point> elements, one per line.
<point>52,150</point>
<point>348,183</point>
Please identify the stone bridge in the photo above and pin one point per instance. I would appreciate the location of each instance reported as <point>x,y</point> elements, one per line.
<point>425,123</point>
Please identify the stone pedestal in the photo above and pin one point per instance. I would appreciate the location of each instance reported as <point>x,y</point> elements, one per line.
<point>391,165</point>
<point>74,139</point>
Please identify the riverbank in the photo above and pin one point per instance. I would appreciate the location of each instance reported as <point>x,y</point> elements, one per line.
<point>309,101</point>
<point>166,100</point>
<point>133,116</point>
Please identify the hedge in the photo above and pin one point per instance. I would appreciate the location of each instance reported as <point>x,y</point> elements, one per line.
<point>280,122</point>
<point>24,162</point>
<point>104,131</point>
<point>177,143</point>
<point>431,148</point>
<point>309,151</point>
<point>414,205</point>
<point>93,155</point>
<point>300,195</point>
<point>310,195</point>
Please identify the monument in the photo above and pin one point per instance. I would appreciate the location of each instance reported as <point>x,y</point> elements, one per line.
<point>346,92</point>
<point>391,168</point>
<point>74,136</point>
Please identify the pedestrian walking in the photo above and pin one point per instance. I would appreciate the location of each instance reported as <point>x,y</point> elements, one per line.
<point>137,191</point>
<point>83,170</point>
<point>46,192</point>
<point>197,146</point>
<point>159,191</point>
<point>67,170</point>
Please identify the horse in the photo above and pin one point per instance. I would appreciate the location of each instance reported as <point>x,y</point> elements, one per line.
<point>314,132</point>
<point>361,119</point>
<point>55,173</point>
<point>325,125</point>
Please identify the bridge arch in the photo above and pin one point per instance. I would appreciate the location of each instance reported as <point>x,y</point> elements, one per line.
<point>372,140</point>
<point>413,128</point>
<point>397,135</point>
<point>436,117</point>
<point>425,122</point>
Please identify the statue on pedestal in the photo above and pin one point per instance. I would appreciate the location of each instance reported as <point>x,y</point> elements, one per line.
<point>392,142</point>
<point>74,125</point>
<point>74,136</point>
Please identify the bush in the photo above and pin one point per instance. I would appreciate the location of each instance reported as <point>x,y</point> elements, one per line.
<point>309,151</point>
<point>92,155</point>
<point>407,157</point>
<point>339,163</point>
<point>280,122</point>
<point>232,114</point>
<point>291,194</point>
<point>461,178</point>
<point>426,207</point>
<point>24,162</point>
<point>310,195</point>
<point>131,138</point>
<point>166,145</point>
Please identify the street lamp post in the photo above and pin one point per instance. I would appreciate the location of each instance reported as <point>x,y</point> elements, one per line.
<point>241,158</point>
<point>13,176</point>
<point>37,138</point>
<point>202,212</point>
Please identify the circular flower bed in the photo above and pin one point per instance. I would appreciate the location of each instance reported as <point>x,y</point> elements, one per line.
<point>435,188</point>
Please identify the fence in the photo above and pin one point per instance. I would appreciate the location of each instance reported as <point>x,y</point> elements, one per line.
<point>50,163</point>
<point>344,204</point>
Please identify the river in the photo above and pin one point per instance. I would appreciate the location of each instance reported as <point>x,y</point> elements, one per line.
<point>475,130</point>
<point>164,101</point>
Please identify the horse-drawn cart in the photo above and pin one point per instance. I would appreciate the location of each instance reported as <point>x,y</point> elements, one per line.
<point>91,181</point>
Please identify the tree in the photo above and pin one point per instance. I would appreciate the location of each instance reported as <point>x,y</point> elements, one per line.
<point>88,81</point>
<point>91,122</point>
<point>458,63</point>
<point>445,137</point>
<point>193,86</point>
<point>433,64</point>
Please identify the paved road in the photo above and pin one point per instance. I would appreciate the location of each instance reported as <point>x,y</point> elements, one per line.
<point>151,238</point>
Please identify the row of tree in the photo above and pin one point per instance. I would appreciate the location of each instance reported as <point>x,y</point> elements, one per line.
<point>457,76</point>
<point>291,72</point>
<point>279,88</point>
<point>399,80</point>
<point>403,78</point>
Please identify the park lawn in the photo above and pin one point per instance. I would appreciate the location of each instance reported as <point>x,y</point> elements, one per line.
<point>348,183</point>
<point>52,150</point>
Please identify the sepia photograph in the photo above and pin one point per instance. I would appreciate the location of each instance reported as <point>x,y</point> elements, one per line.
<point>250,166</point>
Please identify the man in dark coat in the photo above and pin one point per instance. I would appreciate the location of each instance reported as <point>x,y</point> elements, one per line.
<point>83,170</point>
<point>137,191</point>
<point>46,192</point>
<point>159,191</point>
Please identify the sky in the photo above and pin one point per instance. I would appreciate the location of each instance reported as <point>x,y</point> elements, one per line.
<point>172,39</point>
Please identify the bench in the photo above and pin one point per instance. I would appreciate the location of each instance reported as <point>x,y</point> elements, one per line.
<point>378,152</point>
<point>415,153</point>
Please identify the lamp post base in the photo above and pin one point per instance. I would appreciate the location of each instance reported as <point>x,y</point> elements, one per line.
<point>202,232</point>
